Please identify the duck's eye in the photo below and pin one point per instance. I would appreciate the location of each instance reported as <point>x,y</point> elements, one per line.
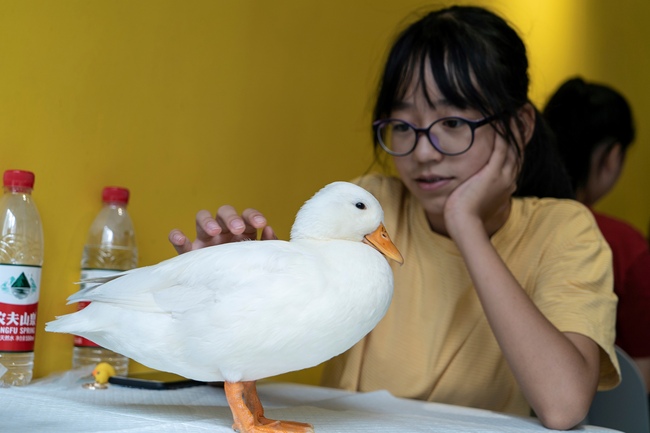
<point>360,205</point>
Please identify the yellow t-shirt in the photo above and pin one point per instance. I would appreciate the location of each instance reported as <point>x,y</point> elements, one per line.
<point>435,343</point>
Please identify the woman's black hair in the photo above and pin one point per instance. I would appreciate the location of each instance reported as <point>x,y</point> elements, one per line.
<point>585,116</point>
<point>478,61</point>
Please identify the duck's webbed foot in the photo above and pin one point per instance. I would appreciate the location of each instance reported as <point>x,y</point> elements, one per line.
<point>248,413</point>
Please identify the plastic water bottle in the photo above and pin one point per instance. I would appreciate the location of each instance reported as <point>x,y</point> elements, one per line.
<point>21,258</point>
<point>110,249</point>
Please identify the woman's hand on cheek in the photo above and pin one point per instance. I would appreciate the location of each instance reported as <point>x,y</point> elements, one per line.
<point>227,226</point>
<point>486,194</point>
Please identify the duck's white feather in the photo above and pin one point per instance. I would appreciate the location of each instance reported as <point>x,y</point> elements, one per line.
<point>242,311</point>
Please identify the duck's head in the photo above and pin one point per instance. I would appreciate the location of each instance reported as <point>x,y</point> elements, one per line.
<point>345,211</point>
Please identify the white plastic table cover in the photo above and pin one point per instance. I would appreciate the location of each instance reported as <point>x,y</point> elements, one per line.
<point>60,404</point>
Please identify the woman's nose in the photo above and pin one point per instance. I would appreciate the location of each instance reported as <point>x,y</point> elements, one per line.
<point>425,150</point>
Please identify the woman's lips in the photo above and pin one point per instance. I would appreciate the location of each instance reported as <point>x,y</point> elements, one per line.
<point>432,183</point>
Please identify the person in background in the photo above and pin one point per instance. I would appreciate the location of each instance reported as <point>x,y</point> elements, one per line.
<point>494,307</point>
<point>594,128</point>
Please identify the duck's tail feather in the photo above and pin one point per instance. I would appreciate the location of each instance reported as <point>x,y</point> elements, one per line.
<point>73,323</point>
<point>101,280</point>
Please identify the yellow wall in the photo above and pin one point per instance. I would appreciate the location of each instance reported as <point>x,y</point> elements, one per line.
<point>192,104</point>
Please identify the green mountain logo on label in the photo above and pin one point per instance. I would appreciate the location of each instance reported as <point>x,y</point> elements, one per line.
<point>21,288</point>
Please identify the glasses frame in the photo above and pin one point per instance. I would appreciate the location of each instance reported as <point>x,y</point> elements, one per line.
<point>473,125</point>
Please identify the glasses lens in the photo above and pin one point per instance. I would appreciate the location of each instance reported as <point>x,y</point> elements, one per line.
<point>451,135</point>
<point>396,137</point>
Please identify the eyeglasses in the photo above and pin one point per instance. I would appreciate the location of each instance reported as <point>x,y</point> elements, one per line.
<point>449,135</point>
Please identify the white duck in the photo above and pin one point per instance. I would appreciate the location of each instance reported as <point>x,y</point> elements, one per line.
<point>244,311</point>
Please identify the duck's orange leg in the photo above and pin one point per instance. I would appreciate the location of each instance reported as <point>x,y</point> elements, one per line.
<point>248,413</point>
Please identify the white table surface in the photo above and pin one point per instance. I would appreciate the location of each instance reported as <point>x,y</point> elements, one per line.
<point>60,404</point>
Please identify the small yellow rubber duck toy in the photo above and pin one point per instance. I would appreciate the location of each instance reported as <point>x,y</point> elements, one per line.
<point>101,373</point>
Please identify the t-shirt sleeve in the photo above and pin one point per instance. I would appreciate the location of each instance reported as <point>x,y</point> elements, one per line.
<point>575,286</point>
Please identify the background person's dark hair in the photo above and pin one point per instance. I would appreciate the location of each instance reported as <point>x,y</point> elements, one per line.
<point>477,61</point>
<point>585,116</point>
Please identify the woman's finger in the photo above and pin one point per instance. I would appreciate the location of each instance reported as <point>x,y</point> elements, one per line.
<point>179,241</point>
<point>268,234</point>
<point>206,226</point>
<point>230,221</point>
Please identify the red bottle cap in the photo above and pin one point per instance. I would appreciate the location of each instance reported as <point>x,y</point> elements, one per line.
<point>115,194</point>
<point>21,178</point>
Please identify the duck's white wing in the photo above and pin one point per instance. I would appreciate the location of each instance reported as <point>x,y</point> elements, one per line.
<point>200,276</point>
<point>240,273</point>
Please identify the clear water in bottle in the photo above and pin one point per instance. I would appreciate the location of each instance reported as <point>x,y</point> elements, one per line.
<point>21,258</point>
<point>110,248</point>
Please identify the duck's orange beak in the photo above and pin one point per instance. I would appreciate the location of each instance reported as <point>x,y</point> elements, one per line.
<point>380,240</point>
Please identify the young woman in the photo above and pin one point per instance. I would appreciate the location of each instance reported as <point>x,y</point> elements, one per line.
<point>503,303</point>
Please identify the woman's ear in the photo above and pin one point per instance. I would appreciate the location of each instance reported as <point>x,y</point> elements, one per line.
<point>605,168</point>
<point>611,164</point>
<point>527,116</point>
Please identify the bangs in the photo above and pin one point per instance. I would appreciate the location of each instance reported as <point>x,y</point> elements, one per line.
<point>441,53</point>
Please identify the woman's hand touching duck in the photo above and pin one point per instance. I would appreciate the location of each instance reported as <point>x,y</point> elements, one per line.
<point>227,226</point>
